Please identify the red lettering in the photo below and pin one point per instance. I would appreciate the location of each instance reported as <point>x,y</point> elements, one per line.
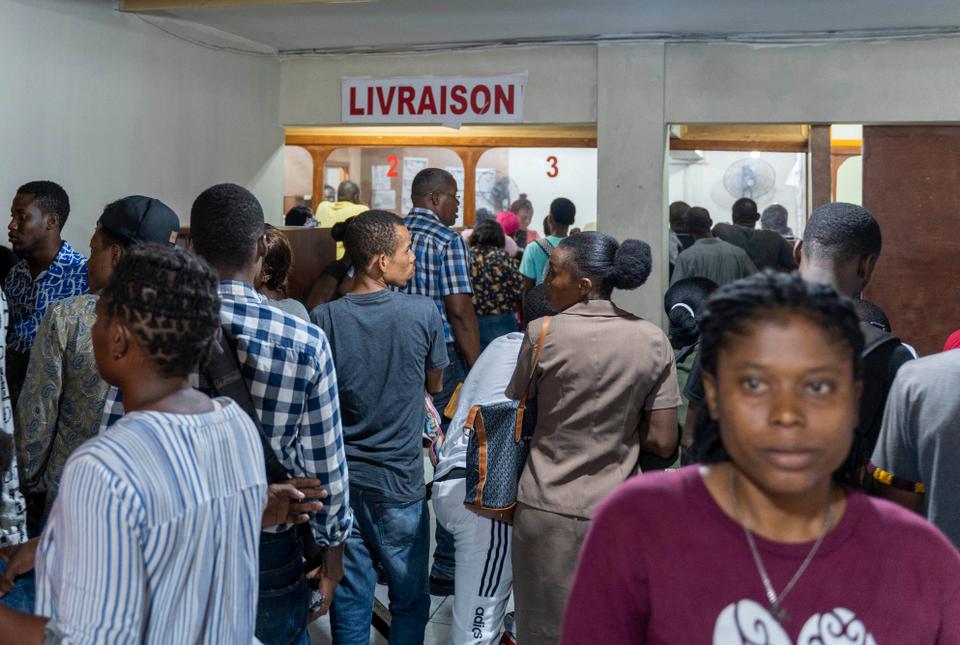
<point>369,106</point>
<point>443,99</point>
<point>458,98</point>
<point>425,105</point>
<point>386,106</point>
<point>405,96</point>
<point>477,107</point>
<point>392,170</point>
<point>354,109</point>
<point>503,101</point>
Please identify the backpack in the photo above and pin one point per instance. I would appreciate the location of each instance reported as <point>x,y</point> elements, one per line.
<point>546,246</point>
<point>878,374</point>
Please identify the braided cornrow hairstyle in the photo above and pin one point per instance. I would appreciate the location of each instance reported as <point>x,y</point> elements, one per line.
<point>169,298</point>
<point>734,308</point>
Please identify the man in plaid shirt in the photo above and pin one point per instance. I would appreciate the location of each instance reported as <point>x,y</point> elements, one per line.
<point>443,274</point>
<point>288,366</point>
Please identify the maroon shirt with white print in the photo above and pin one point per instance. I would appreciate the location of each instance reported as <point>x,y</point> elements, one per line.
<point>664,564</point>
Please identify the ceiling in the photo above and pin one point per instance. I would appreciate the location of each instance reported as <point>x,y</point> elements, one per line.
<point>410,24</point>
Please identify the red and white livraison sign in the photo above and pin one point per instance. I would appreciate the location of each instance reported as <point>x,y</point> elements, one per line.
<point>449,101</point>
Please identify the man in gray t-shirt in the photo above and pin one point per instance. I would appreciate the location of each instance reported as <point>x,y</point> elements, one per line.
<point>388,348</point>
<point>916,458</point>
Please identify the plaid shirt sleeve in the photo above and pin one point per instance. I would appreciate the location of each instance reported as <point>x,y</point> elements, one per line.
<point>112,408</point>
<point>321,438</point>
<point>455,270</point>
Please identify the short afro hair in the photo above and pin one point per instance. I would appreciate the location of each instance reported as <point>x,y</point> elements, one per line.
<point>841,232</point>
<point>49,197</point>
<point>430,180</point>
<point>744,210</point>
<point>535,303</point>
<point>370,234</point>
<point>168,297</point>
<point>563,211</point>
<point>298,216</point>
<point>697,220</point>
<point>488,233</point>
<point>225,223</point>
<point>616,266</point>
<point>678,209</point>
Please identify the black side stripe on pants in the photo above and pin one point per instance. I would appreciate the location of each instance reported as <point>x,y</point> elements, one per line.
<point>486,566</point>
<point>505,534</point>
<point>498,545</point>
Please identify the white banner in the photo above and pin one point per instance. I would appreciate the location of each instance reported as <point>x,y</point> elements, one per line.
<point>446,101</point>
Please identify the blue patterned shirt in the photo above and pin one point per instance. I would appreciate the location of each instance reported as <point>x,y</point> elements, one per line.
<point>443,262</point>
<point>29,298</point>
<point>288,366</point>
<point>154,536</point>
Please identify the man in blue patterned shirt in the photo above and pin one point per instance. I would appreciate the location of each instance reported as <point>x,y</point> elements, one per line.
<point>49,269</point>
<point>288,367</point>
<point>443,274</point>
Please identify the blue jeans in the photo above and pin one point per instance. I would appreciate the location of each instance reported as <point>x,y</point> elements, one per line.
<point>397,535</point>
<point>445,553</point>
<point>494,326</point>
<point>284,600</point>
<point>23,594</point>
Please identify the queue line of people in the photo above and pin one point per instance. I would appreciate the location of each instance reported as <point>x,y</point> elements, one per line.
<point>148,533</point>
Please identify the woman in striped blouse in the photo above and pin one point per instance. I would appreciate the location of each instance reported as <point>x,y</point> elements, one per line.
<point>155,533</point>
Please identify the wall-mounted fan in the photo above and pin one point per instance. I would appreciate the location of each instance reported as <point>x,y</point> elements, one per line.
<point>749,177</point>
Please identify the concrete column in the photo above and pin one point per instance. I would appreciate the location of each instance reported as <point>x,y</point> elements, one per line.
<point>631,157</point>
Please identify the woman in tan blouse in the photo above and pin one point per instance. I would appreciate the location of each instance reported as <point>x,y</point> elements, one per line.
<point>606,389</point>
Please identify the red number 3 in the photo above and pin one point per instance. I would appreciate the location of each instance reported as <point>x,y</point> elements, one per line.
<point>393,161</point>
<point>554,171</point>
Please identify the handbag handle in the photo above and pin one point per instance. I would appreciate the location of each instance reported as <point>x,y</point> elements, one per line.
<point>526,392</point>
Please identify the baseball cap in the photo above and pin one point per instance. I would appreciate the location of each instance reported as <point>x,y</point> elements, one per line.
<point>141,219</point>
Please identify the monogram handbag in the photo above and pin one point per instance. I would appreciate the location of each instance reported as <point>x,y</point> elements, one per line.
<point>497,448</point>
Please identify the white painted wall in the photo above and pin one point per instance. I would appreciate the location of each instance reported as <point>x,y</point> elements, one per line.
<point>107,106</point>
<point>562,85</point>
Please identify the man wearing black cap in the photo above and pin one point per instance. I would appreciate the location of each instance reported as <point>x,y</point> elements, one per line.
<point>62,397</point>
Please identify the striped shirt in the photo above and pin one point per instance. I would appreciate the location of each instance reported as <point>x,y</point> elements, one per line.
<point>154,536</point>
<point>288,366</point>
<point>443,262</point>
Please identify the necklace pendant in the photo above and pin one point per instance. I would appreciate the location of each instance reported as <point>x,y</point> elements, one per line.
<point>780,614</point>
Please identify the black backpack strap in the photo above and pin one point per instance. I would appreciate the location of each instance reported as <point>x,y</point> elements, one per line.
<point>545,245</point>
<point>223,372</point>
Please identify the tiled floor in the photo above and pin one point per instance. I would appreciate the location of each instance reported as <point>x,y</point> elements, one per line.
<point>441,609</point>
<point>438,629</point>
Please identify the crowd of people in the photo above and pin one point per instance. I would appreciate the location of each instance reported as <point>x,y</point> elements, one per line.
<point>196,456</point>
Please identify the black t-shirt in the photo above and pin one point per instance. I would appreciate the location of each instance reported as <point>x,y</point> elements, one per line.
<point>767,249</point>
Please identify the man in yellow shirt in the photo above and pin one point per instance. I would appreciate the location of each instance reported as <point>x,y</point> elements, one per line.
<point>347,205</point>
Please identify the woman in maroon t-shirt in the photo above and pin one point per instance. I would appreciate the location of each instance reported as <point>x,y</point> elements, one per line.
<point>762,546</point>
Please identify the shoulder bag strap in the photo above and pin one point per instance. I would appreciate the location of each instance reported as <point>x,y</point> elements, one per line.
<point>223,371</point>
<point>533,370</point>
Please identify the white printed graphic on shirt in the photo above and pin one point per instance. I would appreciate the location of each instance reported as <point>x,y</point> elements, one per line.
<point>746,622</point>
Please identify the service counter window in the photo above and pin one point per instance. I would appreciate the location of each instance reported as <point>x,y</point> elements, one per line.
<point>542,175</point>
<point>715,179</point>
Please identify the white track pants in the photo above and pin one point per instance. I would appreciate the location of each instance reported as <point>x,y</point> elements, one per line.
<point>484,574</point>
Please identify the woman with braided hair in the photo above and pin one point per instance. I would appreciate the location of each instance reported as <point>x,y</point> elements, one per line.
<point>154,535</point>
<point>761,544</point>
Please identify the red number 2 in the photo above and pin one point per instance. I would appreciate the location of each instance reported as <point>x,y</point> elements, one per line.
<point>393,161</point>
<point>554,171</point>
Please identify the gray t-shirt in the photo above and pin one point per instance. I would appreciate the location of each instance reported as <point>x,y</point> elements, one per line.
<point>920,437</point>
<point>383,343</point>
